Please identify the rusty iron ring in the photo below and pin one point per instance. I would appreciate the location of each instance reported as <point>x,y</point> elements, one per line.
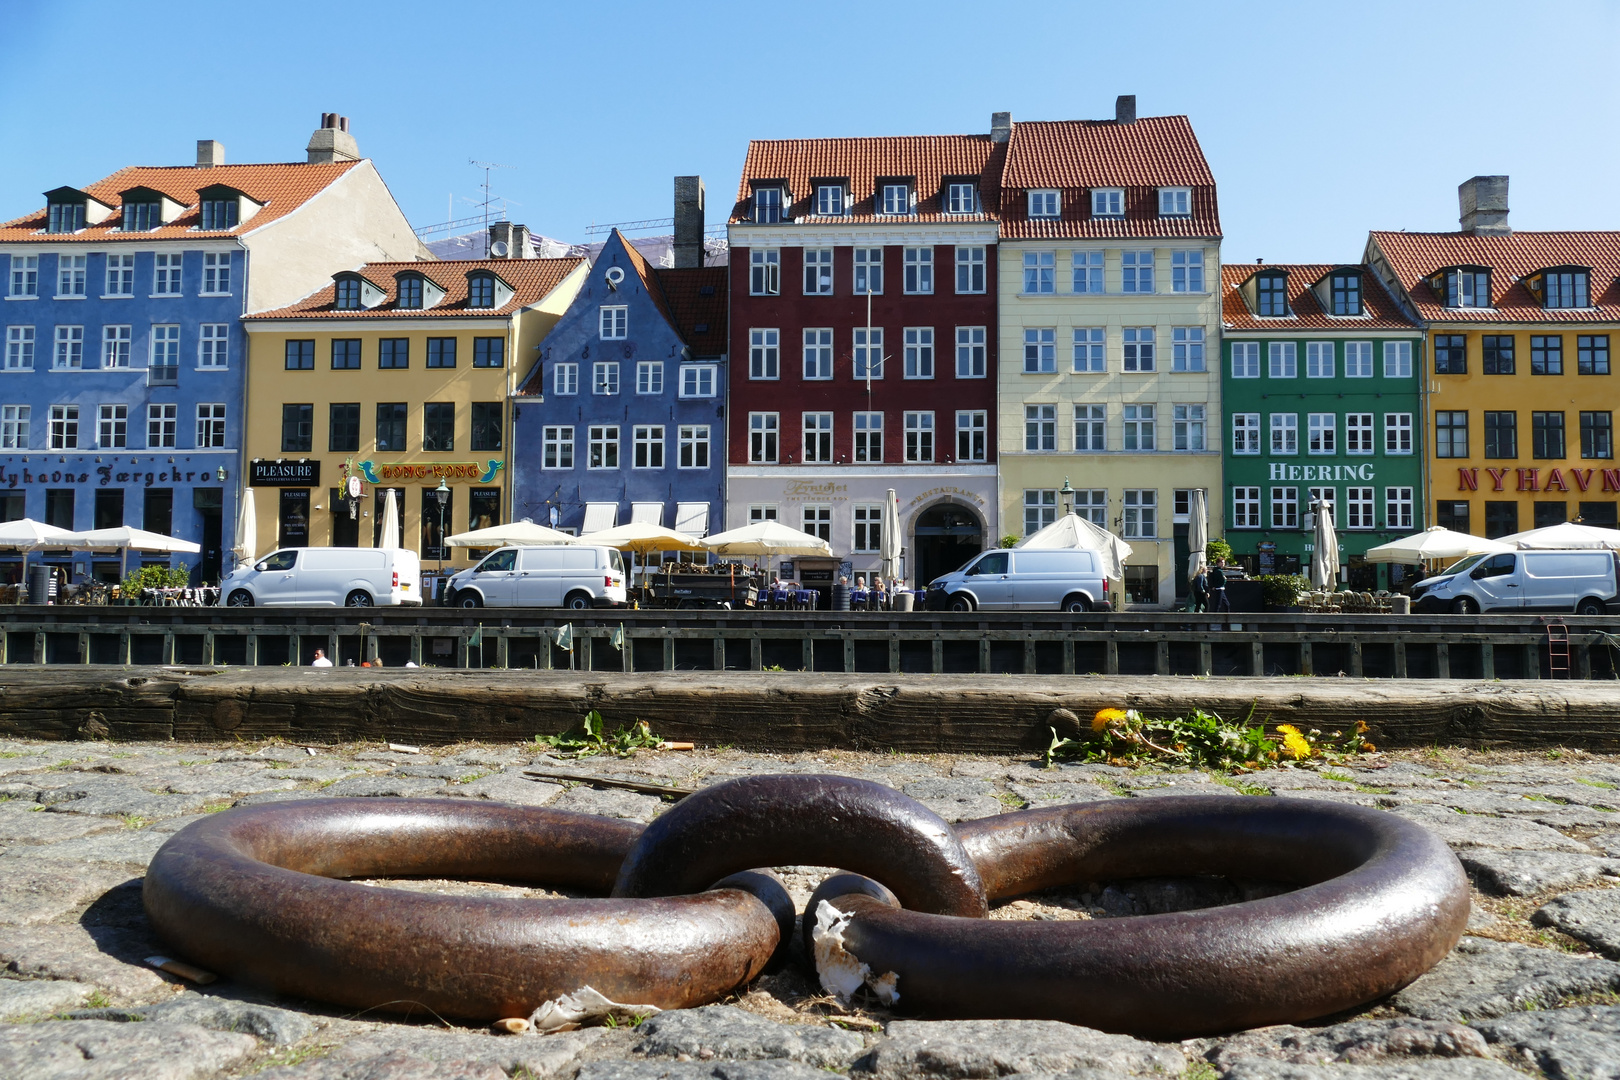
<point>819,820</point>
<point>251,893</point>
<point>1378,901</point>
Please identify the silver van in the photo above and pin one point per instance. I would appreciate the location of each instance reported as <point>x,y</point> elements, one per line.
<point>565,575</point>
<point>1585,582</point>
<point>326,576</point>
<point>1023,580</point>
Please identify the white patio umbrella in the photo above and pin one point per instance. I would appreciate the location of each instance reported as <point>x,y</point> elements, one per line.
<point>889,541</point>
<point>1197,531</point>
<point>516,532</point>
<point>389,540</point>
<point>247,528</point>
<point>766,538</point>
<point>1434,544</point>
<point>124,539</point>
<point>1567,534</point>
<point>26,534</point>
<point>1073,531</point>
<point>640,537</point>
<point>1325,557</point>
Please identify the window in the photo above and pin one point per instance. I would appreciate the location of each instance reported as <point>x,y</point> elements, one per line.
<point>557,448</point>
<point>1138,347</point>
<point>112,427</point>
<point>1398,508</point>
<point>761,512</point>
<point>161,424</point>
<point>1137,271</point>
<point>818,438</point>
<point>1040,351</point>
<point>1464,288</point>
<point>1090,428</point>
<point>830,200</point>
<point>213,345</point>
<point>1358,433</point>
<point>961,198</point>
<point>762,437</point>
<point>1453,516</point>
<point>438,427</point>
<point>391,427</point>
<point>868,527</point>
<point>1319,360</point>
<point>1597,435</point>
<point>614,322</point>
<point>488,425</point>
<point>1284,508</point>
<point>1285,433</point>
<point>70,275</point>
<point>394,353</point>
<point>141,216</point>
<point>441,352</point>
<point>1245,508</point>
<point>1546,354</point>
<point>409,296</point>
<point>69,348</point>
<point>1398,433</point>
<point>919,355</point>
<point>65,427</point>
<point>694,446</point>
<point>1040,509</point>
<point>14,425</point>
<point>1141,514</point>
<point>764,272</point>
<point>647,446</point>
<point>345,354</point>
<point>1565,288</point>
<point>25,275</point>
<point>211,426</point>
<point>1044,204</point>
<point>818,354</point>
<point>698,380</point>
<point>603,450</point>
<point>64,217</point>
<point>1592,354</point>
<point>868,271</point>
<point>764,354</point>
<point>1501,519</point>
<point>1271,295</point>
<point>605,377</point>
<point>869,352</point>
<point>1087,272</point>
<point>1107,202</point>
<point>919,436</point>
<point>1345,294</point>
<point>1450,354</point>
<point>1450,434</point>
<point>115,342</point>
<point>300,356</point>
<point>1039,270</point>
<point>1397,359</point>
<point>1139,427</point>
<point>1040,427</point>
<point>649,376</point>
<point>767,205</point>
<point>166,275</point>
<point>565,380</point>
<point>1282,360</point>
<point>1358,506</point>
<point>816,520</point>
<point>1245,359</point>
<point>481,291</point>
<point>165,357</point>
<point>1547,435</point>
<point>1188,422</point>
<point>970,269</point>
<point>1089,349</point>
<point>919,270</point>
<point>220,214</point>
<point>896,198</point>
<point>868,436</point>
<point>1358,360</point>
<point>489,352</point>
<point>1496,354</point>
<point>970,352</point>
<point>1246,433</point>
<point>1501,434</point>
<point>970,435</point>
<point>217,273</point>
<point>818,271</point>
<point>1187,348</point>
<point>1175,202</point>
<point>1092,504</point>
<point>120,275</point>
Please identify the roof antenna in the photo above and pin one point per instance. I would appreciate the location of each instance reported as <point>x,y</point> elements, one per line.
<point>487,166</point>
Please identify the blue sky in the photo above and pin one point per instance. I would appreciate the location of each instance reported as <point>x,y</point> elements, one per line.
<point>1318,126</point>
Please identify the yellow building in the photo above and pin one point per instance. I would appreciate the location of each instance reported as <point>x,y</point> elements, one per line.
<point>399,375</point>
<point>1109,343</point>
<point>1520,396</point>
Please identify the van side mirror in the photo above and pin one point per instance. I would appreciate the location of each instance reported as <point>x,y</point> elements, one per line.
<point>259,567</point>
<point>1479,572</point>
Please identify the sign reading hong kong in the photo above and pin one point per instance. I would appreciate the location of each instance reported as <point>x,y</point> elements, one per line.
<point>382,472</point>
<point>1322,473</point>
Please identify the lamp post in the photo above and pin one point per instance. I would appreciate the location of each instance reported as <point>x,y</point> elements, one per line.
<point>442,495</point>
<point>1067,494</point>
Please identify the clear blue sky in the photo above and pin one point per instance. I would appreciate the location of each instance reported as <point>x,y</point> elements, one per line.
<point>1320,121</point>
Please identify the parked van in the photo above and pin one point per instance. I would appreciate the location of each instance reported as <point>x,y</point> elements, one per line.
<point>1584,582</point>
<point>328,576</point>
<point>1023,580</point>
<point>568,575</point>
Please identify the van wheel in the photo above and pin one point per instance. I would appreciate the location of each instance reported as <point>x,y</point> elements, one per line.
<point>358,598</point>
<point>239,598</point>
<point>1464,606</point>
<point>961,603</point>
<point>1590,606</point>
<point>1076,603</point>
<point>577,601</point>
<point>469,599</point>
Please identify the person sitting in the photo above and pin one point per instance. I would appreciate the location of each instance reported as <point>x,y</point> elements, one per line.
<point>860,582</point>
<point>320,659</point>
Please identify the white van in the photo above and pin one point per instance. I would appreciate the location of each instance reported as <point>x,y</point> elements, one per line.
<point>327,576</point>
<point>1023,580</point>
<point>563,575</point>
<point>1584,582</point>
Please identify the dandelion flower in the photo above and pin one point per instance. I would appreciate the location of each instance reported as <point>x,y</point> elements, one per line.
<point>1107,718</point>
<point>1361,727</point>
<point>1294,742</point>
<point>1368,748</point>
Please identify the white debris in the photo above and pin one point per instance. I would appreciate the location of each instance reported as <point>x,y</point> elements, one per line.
<point>587,1003</point>
<point>841,971</point>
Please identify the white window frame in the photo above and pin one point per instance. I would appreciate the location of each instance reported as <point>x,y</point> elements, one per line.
<point>762,512</point>
<point>1359,508</point>
<point>1187,348</point>
<point>1141,424</point>
<point>699,380</point>
<point>1040,509</point>
<point>769,204</point>
<point>1090,350</point>
<point>120,274</point>
<point>557,447</point>
<point>20,341</point>
<point>1108,202</point>
<point>69,352</point>
<point>868,352</point>
<point>24,277</point>
<point>1141,513</point>
<point>1190,427</point>
<point>972,353</point>
<point>816,441</point>
<point>961,198</point>
<point>816,519</point>
<point>764,438</point>
<point>64,429</point>
<point>765,354</point>
<point>1284,433</point>
<point>694,447</point>
<point>764,272</point>
<point>602,447</point>
<point>1245,508</point>
<point>647,446</point>
<point>830,200</point>
<point>1322,433</point>
<point>1282,360</point>
<point>895,199</point>
<point>1187,271</point>
<point>818,353</point>
<point>1398,433</point>
<point>1090,428</point>
<point>1397,359</point>
<point>1358,359</point>
<point>1092,504</point>
<point>1086,273</point>
<point>1040,273</point>
<point>972,434</point>
<point>918,278</point>
<point>919,352</point>
<point>210,425</point>
<point>216,273</point>
<point>117,340</point>
<point>613,322</point>
<point>1045,204</point>
<point>214,346</point>
<point>1040,350</point>
<point>1285,500</point>
<point>1137,349</point>
<point>818,271</point>
<point>649,377</point>
<point>1246,433</point>
<point>166,274</point>
<point>1175,202</point>
<point>919,439</point>
<point>1398,508</point>
<point>112,427</point>
<point>565,379</point>
<point>16,426</point>
<point>1321,360</point>
<point>605,378</point>
<point>1245,359</point>
<point>868,531</point>
<point>970,269</point>
<point>868,263</point>
<point>1040,428</point>
<point>868,430</point>
<point>70,277</point>
<point>162,426</point>
<point>1137,268</point>
<point>1358,434</point>
<point>165,350</point>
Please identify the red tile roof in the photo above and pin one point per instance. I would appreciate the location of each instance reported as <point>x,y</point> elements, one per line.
<point>929,160</point>
<point>531,280</point>
<point>1381,310</point>
<point>281,188</point>
<point>643,269</point>
<point>692,307</point>
<point>1414,257</point>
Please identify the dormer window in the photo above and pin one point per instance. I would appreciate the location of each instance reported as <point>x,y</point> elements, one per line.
<point>1175,202</point>
<point>1463,287</point>
<point>1560,287</point>
<point>142,216</point>
<point>146,209</point>
<point>961,197</point>
<point>896,198</point>
<point>1044,203</point>
<point>65,217</point>
<point>767,205</point>
<point>1271,295</point>
<point>347,294</point>
<point>69,210</point>
<point>1344,291</point>
<point>220,214</point>
<point>1108,202</point>
<point>830,200</point>
<point>481,291</point>
<point>410,292</point>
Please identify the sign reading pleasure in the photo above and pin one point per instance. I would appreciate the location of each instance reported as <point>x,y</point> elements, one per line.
<point>272,472</point>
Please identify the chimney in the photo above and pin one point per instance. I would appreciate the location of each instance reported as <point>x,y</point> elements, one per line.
<point>509,241</point>
<point>209,154</point>
<point>689,201</point>
<point>1125,109</point>
<point>1000,126</point>
<point>1483,202</point>
<point>332,141</point>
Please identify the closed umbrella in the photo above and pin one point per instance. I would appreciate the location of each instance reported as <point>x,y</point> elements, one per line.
<point>390,522</point>
<point>1071,531</point>
<point>767,538</point>
<point>247,528</point>
<point>889,541</point>
<point>1566,534</point>
<point>514,533</point>
<point>1197,532</point>
<point>1325,557</point>
<point>1434,544</point>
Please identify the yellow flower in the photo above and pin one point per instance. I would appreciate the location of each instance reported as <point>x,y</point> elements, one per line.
<point>1107,718</point>
<point>1368,748</point>
<point>1294,742</point>
<point>1288,729</point>
<point>1361,727</point>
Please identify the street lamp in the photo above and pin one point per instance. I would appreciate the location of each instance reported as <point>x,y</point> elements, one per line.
<point>1068,497</point>
<point>442,494</point>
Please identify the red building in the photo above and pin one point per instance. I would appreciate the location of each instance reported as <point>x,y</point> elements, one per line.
<point>863,343</point>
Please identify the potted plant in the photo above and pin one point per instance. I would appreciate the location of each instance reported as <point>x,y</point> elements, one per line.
<point>1281,592</point>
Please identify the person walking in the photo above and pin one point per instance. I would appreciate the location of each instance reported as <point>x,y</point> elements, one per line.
<point>1217,588</point>
<point>1199,600</point>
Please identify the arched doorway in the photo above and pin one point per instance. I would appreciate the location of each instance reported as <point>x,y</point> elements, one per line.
<point>945,536</point>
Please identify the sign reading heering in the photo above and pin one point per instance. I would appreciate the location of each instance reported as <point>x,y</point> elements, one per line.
<point>1325,473</point>
<point>268,472</point>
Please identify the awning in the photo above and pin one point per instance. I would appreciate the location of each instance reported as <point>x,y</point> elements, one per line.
<point>692,518</point>
<point>599,516</point>
<point>647,513</point>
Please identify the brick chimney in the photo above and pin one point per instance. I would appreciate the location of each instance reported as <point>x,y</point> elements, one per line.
<point>1000,126</point>
<point>689,203</point>
<point>1483,205</point>
<point>515,239</point>
<point>332,141</point>
<point>209,153</point>
<point>1125,109</point>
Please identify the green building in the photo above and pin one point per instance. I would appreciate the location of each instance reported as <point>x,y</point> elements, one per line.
<point>1320,381</point>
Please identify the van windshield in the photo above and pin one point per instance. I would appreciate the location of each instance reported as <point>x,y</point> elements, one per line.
<point>1462,566</point>
<point>501,560</point>
<point>281,560</point>
<point>993,563</point>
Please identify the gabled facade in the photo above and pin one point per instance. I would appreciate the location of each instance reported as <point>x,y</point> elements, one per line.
<point>1319,390</point>
<point>1521,398</point>
<point>1109,324</point>
<point>123,372</point>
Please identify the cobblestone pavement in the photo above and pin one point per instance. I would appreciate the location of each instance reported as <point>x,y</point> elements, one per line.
<point>1534,989</point>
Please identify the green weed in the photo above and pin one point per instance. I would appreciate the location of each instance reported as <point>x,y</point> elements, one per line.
<point>589,739</point>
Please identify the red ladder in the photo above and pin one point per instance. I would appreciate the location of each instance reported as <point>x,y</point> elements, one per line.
<point>1557,650</point>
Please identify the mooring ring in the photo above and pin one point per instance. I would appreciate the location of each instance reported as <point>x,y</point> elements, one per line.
<point>253,893</point>
<point>1379,901</point>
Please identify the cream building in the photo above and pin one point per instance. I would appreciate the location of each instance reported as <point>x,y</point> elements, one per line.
<point>1110,337</point>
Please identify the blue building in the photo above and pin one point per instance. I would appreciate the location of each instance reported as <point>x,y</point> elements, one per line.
<point>122,382</point>
<point>623,417</point>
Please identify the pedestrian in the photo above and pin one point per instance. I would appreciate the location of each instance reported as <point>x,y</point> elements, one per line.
<point>1217,588</point>
<point>320,659</point>
<point>1199,601</point>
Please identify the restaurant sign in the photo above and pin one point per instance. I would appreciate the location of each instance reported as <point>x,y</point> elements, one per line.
<point>379,472</point>
<point>284,472</point>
